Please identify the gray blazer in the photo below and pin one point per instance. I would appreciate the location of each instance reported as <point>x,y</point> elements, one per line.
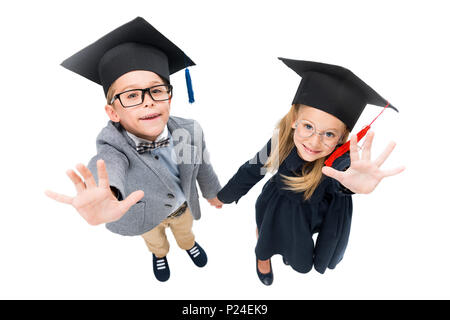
<point>128,172</point>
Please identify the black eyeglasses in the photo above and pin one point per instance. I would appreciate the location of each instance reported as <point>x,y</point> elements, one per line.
<point>135,97</point>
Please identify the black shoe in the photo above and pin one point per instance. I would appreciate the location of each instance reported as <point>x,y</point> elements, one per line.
<point>266,278</point>
<point>198,255</point>
<point>161,268</point>
<point>285,261</point>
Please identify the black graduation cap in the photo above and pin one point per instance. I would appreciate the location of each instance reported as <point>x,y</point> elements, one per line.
<point>333,89</point>
<point>136,45</point>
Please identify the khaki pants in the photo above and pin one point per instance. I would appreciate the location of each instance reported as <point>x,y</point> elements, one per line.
<point>181,227</point>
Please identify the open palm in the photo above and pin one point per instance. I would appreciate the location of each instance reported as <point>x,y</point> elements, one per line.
<point>96,204</point>
<point>363,175</point>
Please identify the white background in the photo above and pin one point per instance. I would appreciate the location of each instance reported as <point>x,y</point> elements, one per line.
<point>399,243</point>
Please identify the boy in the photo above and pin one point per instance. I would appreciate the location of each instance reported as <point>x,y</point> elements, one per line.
<point>153,159</point>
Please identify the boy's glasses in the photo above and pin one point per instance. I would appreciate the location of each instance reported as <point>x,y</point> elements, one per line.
<point>306,129</point>
<point>135,97</point>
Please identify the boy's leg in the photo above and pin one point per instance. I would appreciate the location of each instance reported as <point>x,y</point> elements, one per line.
<point>182,230</point>
<point>156,240</point>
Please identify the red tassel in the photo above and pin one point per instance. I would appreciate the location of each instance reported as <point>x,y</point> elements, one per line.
<point>346,146</point>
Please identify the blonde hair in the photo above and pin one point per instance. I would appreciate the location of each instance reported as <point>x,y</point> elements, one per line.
<point>311,175</point>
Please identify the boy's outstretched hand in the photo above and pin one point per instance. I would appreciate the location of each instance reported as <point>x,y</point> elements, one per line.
<point>215,202</point>
<point>363,175</point>
<point>96,204</point>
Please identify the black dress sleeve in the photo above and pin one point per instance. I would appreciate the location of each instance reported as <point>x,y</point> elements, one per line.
<point>334,233</point>
<point>246,177</point>
<point>335,229</point>
<point>342,163</point>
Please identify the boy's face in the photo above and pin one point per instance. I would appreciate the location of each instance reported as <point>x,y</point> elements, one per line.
<point>311,121</point>
<point>136,119</point>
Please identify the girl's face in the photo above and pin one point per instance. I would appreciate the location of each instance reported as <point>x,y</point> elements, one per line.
<point>314,121</point>
<point>146,120</point>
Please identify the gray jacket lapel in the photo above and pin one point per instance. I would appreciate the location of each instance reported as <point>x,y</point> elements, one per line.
<point>157,167</point>
<point>185,152</point>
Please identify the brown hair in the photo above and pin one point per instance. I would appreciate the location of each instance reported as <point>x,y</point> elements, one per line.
<point>110,93</point>
<point>311,175</point>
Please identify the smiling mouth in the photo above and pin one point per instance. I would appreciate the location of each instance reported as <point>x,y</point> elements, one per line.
<point>150,116</point>
<point>309,150</point>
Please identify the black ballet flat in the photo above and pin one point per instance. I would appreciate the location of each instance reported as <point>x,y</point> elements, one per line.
<point>266,278</point>
<point>285,261</point>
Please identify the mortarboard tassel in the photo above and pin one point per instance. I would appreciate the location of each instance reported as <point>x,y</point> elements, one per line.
<point>346,146</point>
<point>189,85</point>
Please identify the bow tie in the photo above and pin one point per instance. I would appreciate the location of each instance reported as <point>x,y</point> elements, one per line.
<point>148,146</point>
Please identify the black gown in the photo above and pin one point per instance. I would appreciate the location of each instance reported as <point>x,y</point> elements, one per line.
<point>286,222</point>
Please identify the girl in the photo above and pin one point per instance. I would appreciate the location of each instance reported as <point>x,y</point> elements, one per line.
<point>304,196</point>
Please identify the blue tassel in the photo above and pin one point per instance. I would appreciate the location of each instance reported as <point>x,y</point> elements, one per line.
<point>189,85</point>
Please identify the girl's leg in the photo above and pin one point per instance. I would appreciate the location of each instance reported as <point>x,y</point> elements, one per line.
<point>263,265</point>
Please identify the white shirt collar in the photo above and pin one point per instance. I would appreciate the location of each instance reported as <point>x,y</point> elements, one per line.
<point>164,134</point>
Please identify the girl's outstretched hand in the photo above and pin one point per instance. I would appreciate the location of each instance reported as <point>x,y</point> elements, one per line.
<point>96,204</point>
<point>363,175</point>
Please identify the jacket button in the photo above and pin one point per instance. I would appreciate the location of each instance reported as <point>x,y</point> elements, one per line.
<point>170,196</point>
<point>168,205</point>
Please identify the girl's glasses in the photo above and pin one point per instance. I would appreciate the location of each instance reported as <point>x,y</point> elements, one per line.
<point>306,129</point>
<point>135,97</point>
